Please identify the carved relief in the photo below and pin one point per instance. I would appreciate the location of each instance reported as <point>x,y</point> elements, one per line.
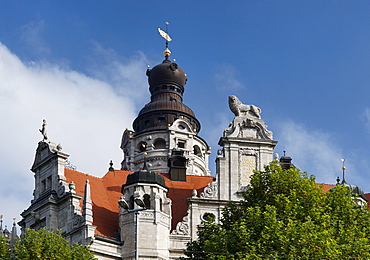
<point>183,227</point>
<point>77,220</point>
<point>210,191</point>
<point>247,121</point>
<point>248,162</point>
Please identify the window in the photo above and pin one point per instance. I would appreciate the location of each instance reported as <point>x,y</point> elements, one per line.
<point>161,119</point>
<point>147,122</point>
<point>208,217</point>
<point>181,144</point>
<point>49,183</point>
<point>178,174</point>
<point>43,185</point>
<point>147,201</point>
<point>197,151</point>
<point>131,202</point>
<point>159,144</point>
<point>142,147</point>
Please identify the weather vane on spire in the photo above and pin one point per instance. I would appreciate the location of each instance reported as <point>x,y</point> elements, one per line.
<point>165,35</point>
<point>343,169</point>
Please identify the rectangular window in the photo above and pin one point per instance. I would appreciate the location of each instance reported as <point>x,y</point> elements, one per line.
<point>181,144</point>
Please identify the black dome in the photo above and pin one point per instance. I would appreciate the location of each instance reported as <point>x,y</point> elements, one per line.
<point>166,73</point>
<point>167,81</point>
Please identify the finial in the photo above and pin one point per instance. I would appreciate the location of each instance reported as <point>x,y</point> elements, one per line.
<point>165,35</point>
<point>338,180</point>
<point>284,152</point>
<point>343,169</point>
<point>111,169</point>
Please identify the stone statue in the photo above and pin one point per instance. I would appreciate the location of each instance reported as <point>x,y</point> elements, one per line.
<point>240,109</point>
<point>43,131</point>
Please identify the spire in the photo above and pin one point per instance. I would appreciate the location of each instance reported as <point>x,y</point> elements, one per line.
<point>111,169</point>
<point>165,35</point>
<point>87,205</point>
<point>14,235</point>
<point>343,169</point>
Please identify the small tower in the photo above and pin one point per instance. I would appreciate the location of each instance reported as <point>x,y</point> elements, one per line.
<point>285,162</point>
<point>145,210</point>
<point>357,192</point>
<point>164,124</point>
<point>247,146</point>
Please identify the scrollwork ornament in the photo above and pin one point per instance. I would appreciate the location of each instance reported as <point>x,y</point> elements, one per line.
<point>183,227</point>
<point>210,191</point>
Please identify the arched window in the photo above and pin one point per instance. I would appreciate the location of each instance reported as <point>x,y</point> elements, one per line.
<point>147,201</point>
<point>131,202</point>
<point>159,144</point>
<point>142,146</point>
<point>197,151</point>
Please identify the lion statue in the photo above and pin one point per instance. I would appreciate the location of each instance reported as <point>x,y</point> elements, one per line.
<point>239,109</point>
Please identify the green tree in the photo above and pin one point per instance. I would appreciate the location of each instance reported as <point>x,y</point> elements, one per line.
<point>285,215</point>
<point>4,248</point>
<point>46,245</point>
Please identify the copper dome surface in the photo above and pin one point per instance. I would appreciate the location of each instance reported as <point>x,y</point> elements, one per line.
<point>166,105</point>
<point>166,73</point>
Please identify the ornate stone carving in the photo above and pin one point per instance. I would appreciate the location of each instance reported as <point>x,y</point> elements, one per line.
<point>77,220</point>
<point>183,227</point>
<point>44,131</point>
<point>210,192</point>
<point>247,122</point>
<point>61,189</point>
<point>240,109</point>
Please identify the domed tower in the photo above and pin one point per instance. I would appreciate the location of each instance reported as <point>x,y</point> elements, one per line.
<point>166,129</point>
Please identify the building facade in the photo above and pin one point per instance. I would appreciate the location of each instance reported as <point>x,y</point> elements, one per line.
<point>150,207</point>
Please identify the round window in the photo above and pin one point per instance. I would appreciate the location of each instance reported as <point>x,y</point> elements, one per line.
<point>208,217</point>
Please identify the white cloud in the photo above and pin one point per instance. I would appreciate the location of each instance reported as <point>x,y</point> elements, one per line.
<point>85,114</point>
<point>318,153</point>
<point>367,118</point>
<point>226,78</point>
<point>31,34</point>
<point>311,150</point>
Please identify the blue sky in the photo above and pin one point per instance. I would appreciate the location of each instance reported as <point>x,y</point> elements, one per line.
<point>81,65</point>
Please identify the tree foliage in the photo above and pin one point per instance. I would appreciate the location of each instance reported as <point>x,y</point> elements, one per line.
<point>285,215</point>
<point>45,245</point>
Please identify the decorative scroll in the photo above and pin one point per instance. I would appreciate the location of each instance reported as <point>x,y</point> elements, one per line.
<point>77,220</point>
<point>210,191</point>
<point>183,227</point>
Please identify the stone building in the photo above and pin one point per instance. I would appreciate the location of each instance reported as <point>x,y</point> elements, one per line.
<point>151,207</point>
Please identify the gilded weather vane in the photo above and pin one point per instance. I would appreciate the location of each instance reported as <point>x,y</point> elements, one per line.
<point>165,35</point>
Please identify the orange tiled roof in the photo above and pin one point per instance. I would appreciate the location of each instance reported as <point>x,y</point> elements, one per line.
<point>106,191</point>
<point>326,187</point>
